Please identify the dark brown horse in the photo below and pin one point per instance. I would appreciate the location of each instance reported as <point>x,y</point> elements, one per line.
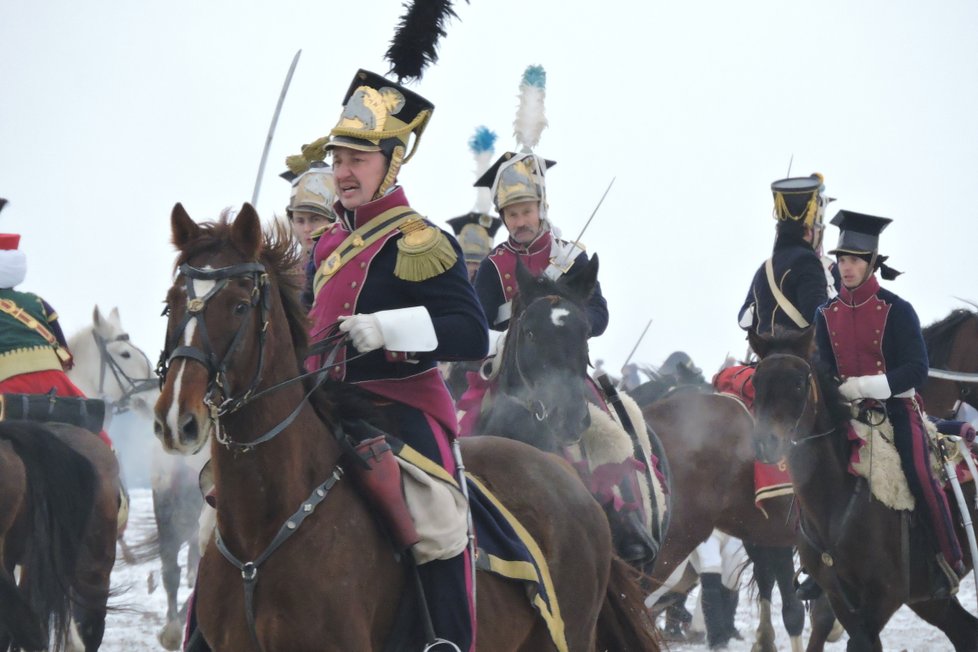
<point>866,556</point>
<point>708,439</point>
<point>952,345</point>
<point>59,496</point>
<point>334,584</point>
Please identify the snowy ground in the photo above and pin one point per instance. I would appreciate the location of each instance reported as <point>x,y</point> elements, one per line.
<point>139,616</point>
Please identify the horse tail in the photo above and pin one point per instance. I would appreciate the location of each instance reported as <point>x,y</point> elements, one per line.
<point>60,497</point>
<point>623,623</point>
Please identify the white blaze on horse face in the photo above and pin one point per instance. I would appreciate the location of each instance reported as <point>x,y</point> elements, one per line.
<point>557,316</point>
<point>173,412</point>
<point>203,286</point>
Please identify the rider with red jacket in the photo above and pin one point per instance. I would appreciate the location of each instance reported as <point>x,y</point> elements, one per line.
<point>871,339</point>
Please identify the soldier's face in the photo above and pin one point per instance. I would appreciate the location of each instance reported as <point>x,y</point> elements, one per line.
<point>358,175</point>
<point>853,270</point>
<point>303,224</point>
<point>522,220</point>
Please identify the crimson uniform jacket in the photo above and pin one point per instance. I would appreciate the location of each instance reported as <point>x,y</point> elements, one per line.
<point>870,330</point>
<point>495,283</point>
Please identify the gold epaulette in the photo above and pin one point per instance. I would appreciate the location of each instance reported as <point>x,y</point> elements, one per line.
<point>321,230</point>
<point>423,251</point>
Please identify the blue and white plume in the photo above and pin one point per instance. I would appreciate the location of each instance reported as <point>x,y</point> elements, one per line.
<point>530,119</point>
<point>482,144</point>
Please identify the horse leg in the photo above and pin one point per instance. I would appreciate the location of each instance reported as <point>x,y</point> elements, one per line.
<point>955,621</point>
<point>782,562</point>
<point>169,570</point>
<point>193,558</point>
<point>764,577</point>
<point>823,625</point>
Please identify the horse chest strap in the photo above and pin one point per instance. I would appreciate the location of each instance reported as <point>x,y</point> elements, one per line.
<point>249,569</point>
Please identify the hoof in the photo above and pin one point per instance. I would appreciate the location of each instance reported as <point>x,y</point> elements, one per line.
<point>171,636</point>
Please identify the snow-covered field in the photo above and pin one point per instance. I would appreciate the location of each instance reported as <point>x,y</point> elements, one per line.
<point>133,626</point>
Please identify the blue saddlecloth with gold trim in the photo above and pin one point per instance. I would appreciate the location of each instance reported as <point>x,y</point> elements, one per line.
<point>505,547</point>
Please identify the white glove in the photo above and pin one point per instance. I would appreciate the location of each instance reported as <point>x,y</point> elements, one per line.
<point>859,387</point>
<point>364,331</point>
<point>403,329</point>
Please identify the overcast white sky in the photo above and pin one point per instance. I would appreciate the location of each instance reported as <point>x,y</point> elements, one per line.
<point>112,111</point>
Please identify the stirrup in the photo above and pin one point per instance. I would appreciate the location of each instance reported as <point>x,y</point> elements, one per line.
<point>437,643</point>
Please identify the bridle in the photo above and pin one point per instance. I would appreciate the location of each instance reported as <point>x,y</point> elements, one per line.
<point>219,398</point>
<point>534,406</point>
<point>130,386</point>
<point>811,401</point>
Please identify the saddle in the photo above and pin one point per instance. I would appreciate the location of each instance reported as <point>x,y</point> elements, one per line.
<point>87,413</point>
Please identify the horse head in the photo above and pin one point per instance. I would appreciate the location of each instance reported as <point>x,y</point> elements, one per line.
<point>109,366</point>
<point>545,358</point>
<point>219,310</point>
<point>785,385</point>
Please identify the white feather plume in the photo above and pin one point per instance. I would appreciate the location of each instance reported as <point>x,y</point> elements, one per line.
<point>530,119</point>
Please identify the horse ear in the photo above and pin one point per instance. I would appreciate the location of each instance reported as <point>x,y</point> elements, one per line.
<point>183,229</point>
<point>246,232</point>
<point>759,344</point>
<point>114,317</point>
<point>97,318</point>
<point>806,343</point>
<point>582,283</point>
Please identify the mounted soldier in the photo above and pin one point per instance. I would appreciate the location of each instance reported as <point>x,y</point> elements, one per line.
<point>516,182</point>
<point>517,185</point>
<point>871,339</point>
<point>397,286</point>
<point>34,354</point>
<point>475,232</point>
<point>310,211</point>
<point>791,284</point>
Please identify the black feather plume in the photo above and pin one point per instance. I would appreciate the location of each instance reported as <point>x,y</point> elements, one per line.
<point>415,43</point>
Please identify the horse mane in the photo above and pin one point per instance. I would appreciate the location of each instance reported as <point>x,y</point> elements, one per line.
<point>280,255</point>
<point>828,384</point>
<point>938,337</point>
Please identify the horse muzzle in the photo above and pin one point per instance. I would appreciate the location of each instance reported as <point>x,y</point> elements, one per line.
<point>182,431</point>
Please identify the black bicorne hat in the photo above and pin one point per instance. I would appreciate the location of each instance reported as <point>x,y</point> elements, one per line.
<point>859,234</point>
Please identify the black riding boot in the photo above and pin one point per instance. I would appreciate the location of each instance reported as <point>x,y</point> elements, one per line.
<point>714,610</point>
<point>730,599</point>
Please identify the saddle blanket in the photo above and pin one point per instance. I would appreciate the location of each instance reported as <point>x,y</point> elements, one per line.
<point>504,547</point>
<point>874,457</point>
<point>738,381</point>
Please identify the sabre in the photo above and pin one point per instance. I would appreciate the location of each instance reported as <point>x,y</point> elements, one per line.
<point>790,161</point>
<point>271,127</point>
<point>563,259</point>
<point>952,477</point>
<point>957,376</point>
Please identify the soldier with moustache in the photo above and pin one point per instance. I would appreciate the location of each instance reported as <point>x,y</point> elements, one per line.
<point>519,192</point>
<point>397,286</point>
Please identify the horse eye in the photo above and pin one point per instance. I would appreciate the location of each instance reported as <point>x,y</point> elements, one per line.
<point>241,308</point>
<point>126,355</point>
<point>529,335</point>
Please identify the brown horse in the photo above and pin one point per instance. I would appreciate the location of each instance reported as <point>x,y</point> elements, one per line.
<point>708,439</point>
<point>952,345</point>
<point>58,506</point>
<point>848,541</point>
<point>328,580</point>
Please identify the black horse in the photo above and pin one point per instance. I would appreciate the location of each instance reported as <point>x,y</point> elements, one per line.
<point>542,394</point>
<point>868,558</point>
